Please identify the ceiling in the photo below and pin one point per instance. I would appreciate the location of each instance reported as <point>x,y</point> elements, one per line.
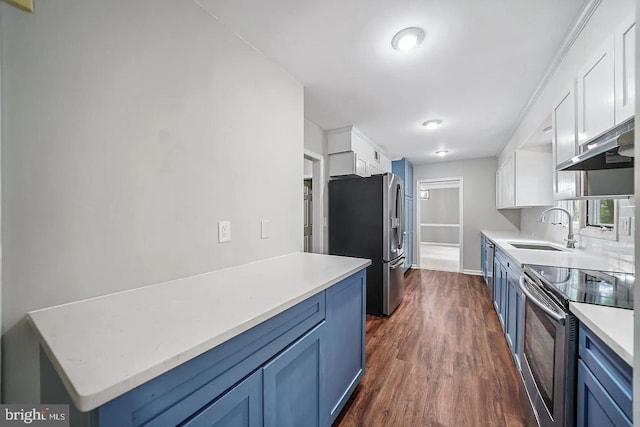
<point>478,65</point>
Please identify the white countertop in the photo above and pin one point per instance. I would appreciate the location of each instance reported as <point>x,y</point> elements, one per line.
<point>612,325</point>
<point>572,258</point>
<point>104,347</point>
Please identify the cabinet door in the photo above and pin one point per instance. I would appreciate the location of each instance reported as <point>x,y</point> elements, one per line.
<point>499,277</point>
<point>292,395</point>
<point>625,66</point>
<point>596,94</point>
<point>344,348</point>
<point>361,167</point>
<point>514,308</point>
<point>596,408</point>
<point>241,406</point>
<point>504,302</point>
<point>564,144</point>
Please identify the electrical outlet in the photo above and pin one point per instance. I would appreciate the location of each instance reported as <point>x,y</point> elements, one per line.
<point>224,231</point>
<point>625,226</point>
<point>265,227</point>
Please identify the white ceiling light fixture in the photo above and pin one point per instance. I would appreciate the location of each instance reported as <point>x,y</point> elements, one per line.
<point>441,153</point>
<point>432,124</point>
<point>408,38</point>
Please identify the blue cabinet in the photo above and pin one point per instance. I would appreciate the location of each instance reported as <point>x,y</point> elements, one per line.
<point>404,169</point>
<point>344,353</point>
<point>508,301</point>
<point>604,384</point>
<point>514,312</point>
<point>241,407</point>
<point>297,368</point>
<point>292,384</point>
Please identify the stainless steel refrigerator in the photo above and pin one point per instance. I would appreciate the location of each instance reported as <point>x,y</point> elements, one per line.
<point>366,220</point>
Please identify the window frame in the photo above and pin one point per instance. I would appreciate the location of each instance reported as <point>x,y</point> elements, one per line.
<point>598,232</point>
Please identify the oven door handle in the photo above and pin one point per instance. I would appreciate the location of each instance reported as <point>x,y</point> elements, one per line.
<point>537,301</point>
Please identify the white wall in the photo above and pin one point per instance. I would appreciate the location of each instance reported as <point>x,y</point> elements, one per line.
<point>130,130</point>
<point>316,140</point>
<point>479,203</point>
<point>608,15</point>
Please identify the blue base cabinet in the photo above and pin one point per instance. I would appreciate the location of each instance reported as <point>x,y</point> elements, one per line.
<point>298,368</point>
<point>508,300</point>
<point>404,169</point>
<point>292,395</point>
<point>344,355</point>
<point>604,384</point>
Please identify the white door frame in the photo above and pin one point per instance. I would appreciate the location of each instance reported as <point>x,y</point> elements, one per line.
<point>455,179</point>
<point>318,186</point>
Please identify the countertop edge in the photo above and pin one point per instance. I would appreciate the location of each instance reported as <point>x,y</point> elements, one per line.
<point>88,401</point>
<point>598,330</point>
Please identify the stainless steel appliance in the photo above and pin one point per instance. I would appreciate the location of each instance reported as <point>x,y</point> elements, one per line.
<point>605,163</point>
<point>366,220</point>
<point>550,339</point>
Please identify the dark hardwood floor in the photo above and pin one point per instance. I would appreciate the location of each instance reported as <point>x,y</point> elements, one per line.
<point>440,360</point>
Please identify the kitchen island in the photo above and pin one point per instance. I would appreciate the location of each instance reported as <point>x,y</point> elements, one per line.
<point>165,353</point>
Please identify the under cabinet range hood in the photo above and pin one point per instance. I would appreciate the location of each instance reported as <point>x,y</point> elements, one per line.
<point>611,150</point>
<point>605,165</point>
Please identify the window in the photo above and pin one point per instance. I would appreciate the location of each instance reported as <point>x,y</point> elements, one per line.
<point>599,219</point>
<point>600,213</point>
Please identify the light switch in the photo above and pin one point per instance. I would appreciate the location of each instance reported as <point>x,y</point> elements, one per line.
<point>224,231</point>
<point>265,227</point>
<point>625,226</point>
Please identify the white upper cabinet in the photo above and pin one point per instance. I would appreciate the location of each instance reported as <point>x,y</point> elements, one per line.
<point>522,182</point>
<point>352,153</point>
<point>625,71</point>
<point>596,93</point>
<point>564,144</point>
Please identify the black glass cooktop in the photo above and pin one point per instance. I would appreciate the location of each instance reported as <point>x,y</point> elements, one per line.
<point>588,286</point>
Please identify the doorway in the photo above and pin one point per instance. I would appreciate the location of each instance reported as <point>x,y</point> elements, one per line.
<point>440,226</point>
<point>313,195</point>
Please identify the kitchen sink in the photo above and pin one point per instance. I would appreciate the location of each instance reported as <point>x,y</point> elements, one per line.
<point>534,246</point>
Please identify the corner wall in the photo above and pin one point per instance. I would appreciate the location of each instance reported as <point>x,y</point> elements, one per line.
<point>130,130</point>
<point>316,140</point>
<point>479,202</point>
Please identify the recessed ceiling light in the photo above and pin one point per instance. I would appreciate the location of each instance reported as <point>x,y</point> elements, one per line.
<point>408,38</point>
<point>547,129</point>
<point>432,124</point>
<point>441,153</point>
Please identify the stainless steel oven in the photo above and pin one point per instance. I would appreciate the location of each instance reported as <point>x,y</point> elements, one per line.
<point>548,354</point>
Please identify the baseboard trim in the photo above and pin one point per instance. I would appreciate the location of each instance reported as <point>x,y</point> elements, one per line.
<point>473,272</point>
<point>415,266</point>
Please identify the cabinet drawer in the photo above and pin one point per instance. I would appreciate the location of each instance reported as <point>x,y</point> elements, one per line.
<point>608,368</point>
<point>174,396</point>
<point>596,408</point>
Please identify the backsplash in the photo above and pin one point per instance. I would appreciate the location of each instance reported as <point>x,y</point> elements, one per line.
<point>621,249</point>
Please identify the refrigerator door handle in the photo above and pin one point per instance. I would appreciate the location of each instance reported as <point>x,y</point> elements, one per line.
<point>399,262</point>
<point>400,215</point>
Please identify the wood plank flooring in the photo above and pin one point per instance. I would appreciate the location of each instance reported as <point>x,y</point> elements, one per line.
<point>440,360</point>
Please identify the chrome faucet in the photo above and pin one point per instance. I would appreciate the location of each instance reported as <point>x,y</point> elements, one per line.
<point>571,242</point>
